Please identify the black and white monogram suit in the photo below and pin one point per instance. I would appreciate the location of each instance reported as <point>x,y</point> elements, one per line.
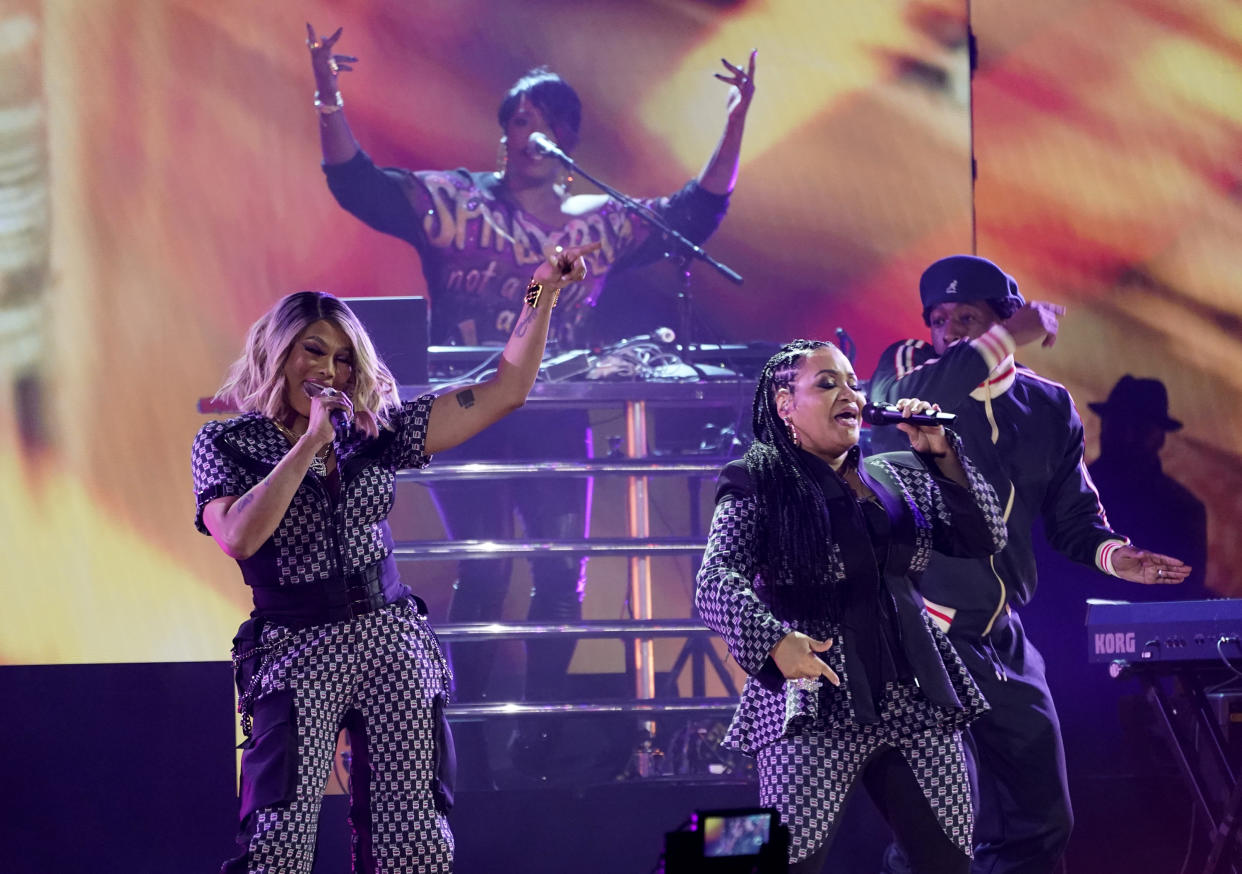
<point>812,743</point>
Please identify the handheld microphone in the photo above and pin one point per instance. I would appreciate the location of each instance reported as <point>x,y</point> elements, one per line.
<point>544,145</point>
<point>887,414</point>
<point>341,420</point>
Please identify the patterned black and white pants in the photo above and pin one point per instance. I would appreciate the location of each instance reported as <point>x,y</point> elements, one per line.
<point>809,776</point>
<point>378,676</point>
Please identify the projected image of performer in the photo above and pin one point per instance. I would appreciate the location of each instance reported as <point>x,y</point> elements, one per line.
<point>1142,499</point>
<point>1107,725</point>
<point>297,490</point>
<point>809,576</point>
<point>1025,434</point>
<point>477,235</point>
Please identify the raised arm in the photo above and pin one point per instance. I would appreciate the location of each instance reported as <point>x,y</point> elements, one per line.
<point>458,416</point>
<point>910,368</point>
<point>720,173</point>
<point>932,441</point>
<point>967,520</point>
<point>335,138</point>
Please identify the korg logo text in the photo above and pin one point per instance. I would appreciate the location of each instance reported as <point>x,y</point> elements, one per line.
<point>1117,642</point>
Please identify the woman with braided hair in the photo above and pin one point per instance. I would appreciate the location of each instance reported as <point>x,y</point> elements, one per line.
<point>811,574</point>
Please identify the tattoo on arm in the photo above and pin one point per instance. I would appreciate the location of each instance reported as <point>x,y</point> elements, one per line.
<point>242,502</point>
<point>248,498</point>
<point>523,325</point>
<point>465,399</point>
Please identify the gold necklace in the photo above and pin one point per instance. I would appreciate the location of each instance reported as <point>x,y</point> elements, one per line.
<point>319,464</point>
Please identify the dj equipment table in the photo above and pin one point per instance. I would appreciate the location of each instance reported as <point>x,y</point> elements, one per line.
<point>638,399</point>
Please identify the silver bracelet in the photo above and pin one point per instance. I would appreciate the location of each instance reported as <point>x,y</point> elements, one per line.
<point>328,108</point>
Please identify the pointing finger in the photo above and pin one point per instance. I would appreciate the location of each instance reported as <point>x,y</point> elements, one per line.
<point>829,674</point>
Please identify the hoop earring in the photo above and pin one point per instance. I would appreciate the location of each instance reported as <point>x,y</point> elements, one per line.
<point>502,158</point>
<point>793,432</point>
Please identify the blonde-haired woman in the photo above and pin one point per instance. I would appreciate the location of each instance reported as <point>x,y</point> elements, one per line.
<point>336,639</point>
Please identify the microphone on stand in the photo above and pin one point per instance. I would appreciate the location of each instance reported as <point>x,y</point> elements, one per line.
<point>663,336</point>
<point>543,145</point>
<point>657,336</point>
<point>887,414</point>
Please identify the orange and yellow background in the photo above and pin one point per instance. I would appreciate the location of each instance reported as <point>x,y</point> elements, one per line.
<point>160,188</point>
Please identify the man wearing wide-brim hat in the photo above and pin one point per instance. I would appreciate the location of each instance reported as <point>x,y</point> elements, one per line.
<point>1138,400</point>
<point>1141,498</point>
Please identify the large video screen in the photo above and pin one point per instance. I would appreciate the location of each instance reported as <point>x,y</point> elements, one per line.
<point>160,187</point>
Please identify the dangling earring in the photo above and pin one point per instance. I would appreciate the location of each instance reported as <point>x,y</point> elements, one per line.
<point>793,432</point>
<point>502,158</point>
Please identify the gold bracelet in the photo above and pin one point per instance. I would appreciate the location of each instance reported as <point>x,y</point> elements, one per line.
<point>329,108</point>
<point>534,292</point>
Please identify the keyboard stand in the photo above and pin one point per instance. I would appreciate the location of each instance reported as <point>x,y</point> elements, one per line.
<point>1189,722</point>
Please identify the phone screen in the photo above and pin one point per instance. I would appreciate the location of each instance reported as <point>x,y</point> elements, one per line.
<point>742,834</point>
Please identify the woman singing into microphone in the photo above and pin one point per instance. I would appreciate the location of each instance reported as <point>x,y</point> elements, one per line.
<point>810,577</point>
<point>336,639</point>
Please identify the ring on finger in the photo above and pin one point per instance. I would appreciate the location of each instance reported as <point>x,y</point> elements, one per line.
<point>314,44</point>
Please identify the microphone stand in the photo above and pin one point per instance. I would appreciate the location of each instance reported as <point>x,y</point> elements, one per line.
<point>696,649</point>
<point>685,252</point>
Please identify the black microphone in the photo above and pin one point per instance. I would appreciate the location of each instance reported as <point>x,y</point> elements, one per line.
<point>544,145</point>
<point>887,414</point>
<point>341,422</point>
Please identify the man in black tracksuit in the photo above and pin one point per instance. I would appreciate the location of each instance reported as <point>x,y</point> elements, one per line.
<point>1024,434</point>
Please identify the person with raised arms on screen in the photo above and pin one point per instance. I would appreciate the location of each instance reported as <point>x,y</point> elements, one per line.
<point>477,234</point>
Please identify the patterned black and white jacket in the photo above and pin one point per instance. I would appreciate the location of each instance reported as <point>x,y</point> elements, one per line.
<point>320,538</point>
<point>925,512</point>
